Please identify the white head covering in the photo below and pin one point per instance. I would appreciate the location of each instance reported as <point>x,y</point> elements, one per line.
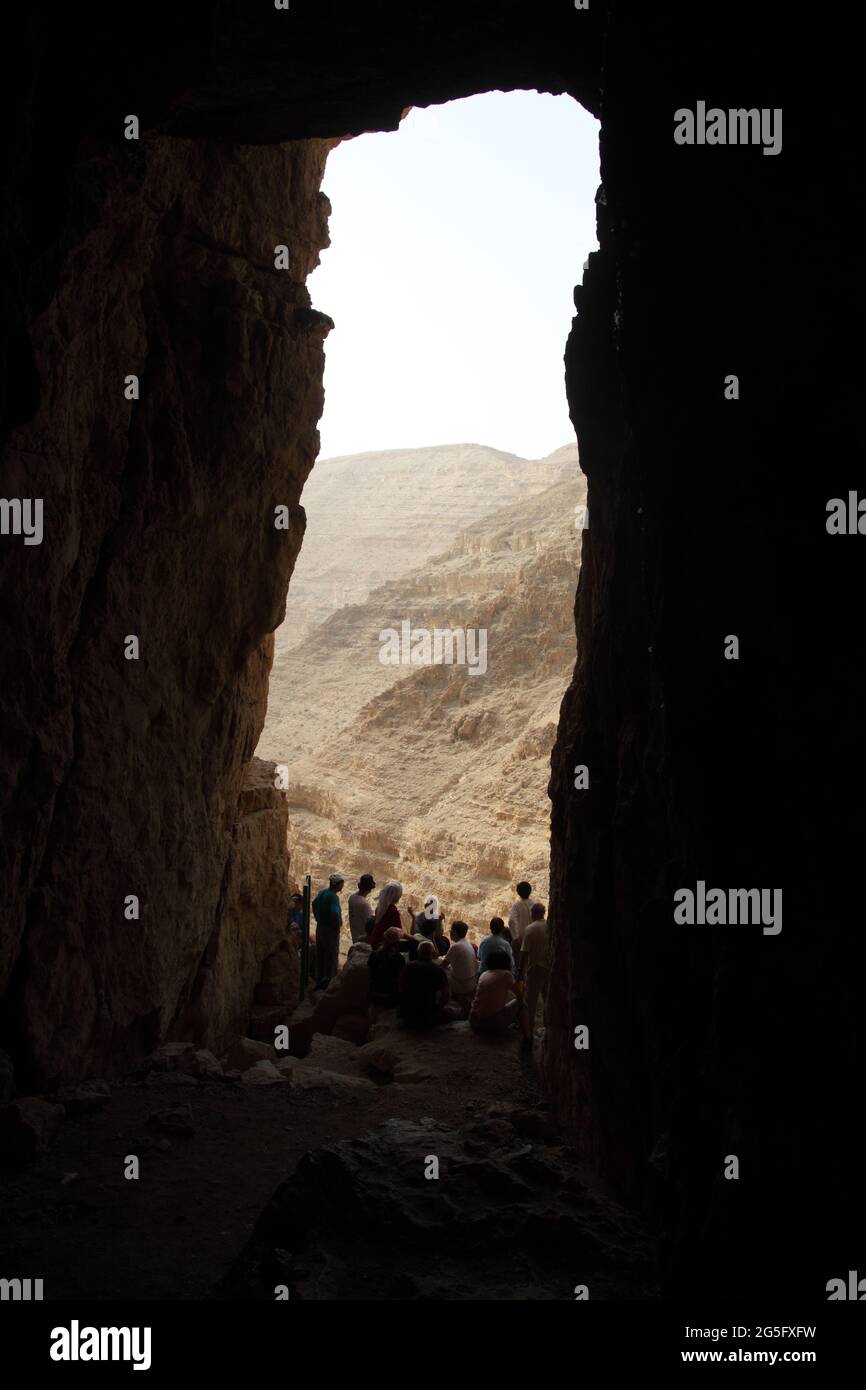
<point>431,908</point>
<point>336,878</point>
<point>389,894</point>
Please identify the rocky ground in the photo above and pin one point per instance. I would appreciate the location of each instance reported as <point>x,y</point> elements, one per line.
<point>266,1170</point>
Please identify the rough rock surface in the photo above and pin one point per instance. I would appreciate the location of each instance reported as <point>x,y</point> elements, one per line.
<point>360,1221</point>
<point>246,1053</point>
<point>159,523</point>
<point>310,1078</point>
<point>435,491</point>
<point>262,1074</point>
<point>249,948</point>
<point>85,1098</point>
<point>346,995</point>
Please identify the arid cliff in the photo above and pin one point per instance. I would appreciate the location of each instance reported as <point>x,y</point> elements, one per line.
<point>373,517</point>
<point>437,774</point>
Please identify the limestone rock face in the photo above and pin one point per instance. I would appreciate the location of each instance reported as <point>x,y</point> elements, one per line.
<point>124,777</point>
<point>465,809</point>
<point>349,502</point>
<point>250,948</point>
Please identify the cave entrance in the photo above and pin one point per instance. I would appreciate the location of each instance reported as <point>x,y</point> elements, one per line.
<point>411,700</point>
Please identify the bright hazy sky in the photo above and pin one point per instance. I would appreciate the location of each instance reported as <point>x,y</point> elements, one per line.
<point>456,242</point>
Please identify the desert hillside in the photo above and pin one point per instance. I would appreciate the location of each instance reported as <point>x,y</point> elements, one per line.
<point>429,773</point>
<point>376,516</point>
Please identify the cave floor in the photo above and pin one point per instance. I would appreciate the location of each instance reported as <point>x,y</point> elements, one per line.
<point>174,1232</point>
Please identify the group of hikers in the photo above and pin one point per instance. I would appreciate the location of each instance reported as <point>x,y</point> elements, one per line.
<point>431,978</point>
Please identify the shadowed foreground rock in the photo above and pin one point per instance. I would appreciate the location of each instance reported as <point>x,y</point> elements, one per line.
<point>506,1219</point>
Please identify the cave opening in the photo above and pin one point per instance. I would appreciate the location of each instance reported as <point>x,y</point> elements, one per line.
<point>410,706</point>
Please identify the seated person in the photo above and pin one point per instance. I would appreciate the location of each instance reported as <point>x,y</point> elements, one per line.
<point>424,991</point>
<point>429,925</point>
<point>461,962</point>
<point>492,1009</point>
<point>385,966</point>
<point>494,942</point>
<point>409,946</point>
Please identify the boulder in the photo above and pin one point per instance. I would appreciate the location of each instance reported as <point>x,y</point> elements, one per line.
<point>27,1127</point>
<point>245,1053</point>
<point>347,992</point>
<point>205,1066</point>
<point>84,1099</point>
<point>368,1218</point>
<point>409,1056</point>
<point>173,1056</point>
<point>334,1054</point>
<point>262,1073</point>
<point>305,1077</point>
<point>301,1029</point>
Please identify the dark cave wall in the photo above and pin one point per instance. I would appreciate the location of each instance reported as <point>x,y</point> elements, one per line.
<point>123,777</point>
<point>706,518</point>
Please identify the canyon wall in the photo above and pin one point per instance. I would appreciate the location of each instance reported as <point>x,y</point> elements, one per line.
<point>230,995</point>
<point>376,516</point>
<point>437,775</point>
<point>707,519</point>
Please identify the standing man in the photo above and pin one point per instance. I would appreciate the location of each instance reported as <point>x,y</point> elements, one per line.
<point>361,912</point>
<point>329,921</point>
<point>534,963</point>
<point>519,918</point>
